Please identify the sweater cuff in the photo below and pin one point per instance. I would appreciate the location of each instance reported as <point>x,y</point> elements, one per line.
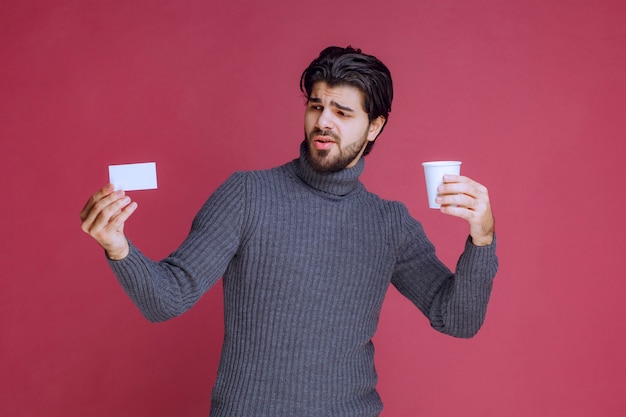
<point>127,266</point>
<point>479,261</point>
<point>469,243</point>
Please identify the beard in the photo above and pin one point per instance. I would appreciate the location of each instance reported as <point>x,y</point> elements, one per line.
<point>324,161</point>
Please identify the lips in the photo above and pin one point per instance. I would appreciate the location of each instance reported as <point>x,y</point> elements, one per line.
<point>323,139</point>
<point>323,142</point>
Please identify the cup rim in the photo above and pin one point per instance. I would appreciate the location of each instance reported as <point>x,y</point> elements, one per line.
<point>441,163</point>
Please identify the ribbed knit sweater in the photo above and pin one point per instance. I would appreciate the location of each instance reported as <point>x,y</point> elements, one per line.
<point>306,260</point>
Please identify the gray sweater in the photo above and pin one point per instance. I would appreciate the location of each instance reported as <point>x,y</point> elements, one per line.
<point>306,260</point>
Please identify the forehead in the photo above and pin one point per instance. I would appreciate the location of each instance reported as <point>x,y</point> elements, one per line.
<point>343,94</point>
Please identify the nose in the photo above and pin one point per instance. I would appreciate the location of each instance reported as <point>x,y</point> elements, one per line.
<point>325,120</point>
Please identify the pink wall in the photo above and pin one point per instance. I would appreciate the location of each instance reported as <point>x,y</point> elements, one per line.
<point>531,96</point>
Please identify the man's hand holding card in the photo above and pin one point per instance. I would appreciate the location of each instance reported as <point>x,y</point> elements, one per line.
<point>106,211</point>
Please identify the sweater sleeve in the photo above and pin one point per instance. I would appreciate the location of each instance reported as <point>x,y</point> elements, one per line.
<point>165,289</point>
<point>455,303</point>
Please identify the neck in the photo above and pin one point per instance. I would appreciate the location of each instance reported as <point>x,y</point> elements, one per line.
<point>337,183</point>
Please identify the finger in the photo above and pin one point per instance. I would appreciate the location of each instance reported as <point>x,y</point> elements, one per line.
<point>106,215</point>
<point>470,188</point>
<point>94,209</point>
<point>114,228</point>
<point>103,210</point>
<point>457,211</point>
<point>108,233</point>
<point>458,200</point>
<point>103,192</point>
<point>453,178</point>
<point>119,219</point>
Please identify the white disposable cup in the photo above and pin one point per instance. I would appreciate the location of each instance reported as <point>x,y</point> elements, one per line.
<point>433,173</point>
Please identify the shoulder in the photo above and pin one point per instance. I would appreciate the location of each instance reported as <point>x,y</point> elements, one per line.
<point>389,208</point>
<point>264,180</point>
<point>262,174</point>
<point>397,218</point>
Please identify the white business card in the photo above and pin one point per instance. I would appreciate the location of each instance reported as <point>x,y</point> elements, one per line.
<point>130,177</point>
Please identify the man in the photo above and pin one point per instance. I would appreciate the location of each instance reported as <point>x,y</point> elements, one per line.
<point>307,254</point>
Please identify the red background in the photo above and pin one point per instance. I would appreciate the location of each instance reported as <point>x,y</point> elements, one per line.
<point>529,94</point>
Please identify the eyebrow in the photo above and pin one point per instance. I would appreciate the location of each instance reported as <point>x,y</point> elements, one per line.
<point>332,103</point>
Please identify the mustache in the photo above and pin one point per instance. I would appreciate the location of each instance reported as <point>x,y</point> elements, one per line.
<point>319,132</point>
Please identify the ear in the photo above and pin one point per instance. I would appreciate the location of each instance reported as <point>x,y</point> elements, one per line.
<point>375,127</point>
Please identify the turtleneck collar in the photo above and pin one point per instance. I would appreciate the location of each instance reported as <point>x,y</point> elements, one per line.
<point>338,183</point>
